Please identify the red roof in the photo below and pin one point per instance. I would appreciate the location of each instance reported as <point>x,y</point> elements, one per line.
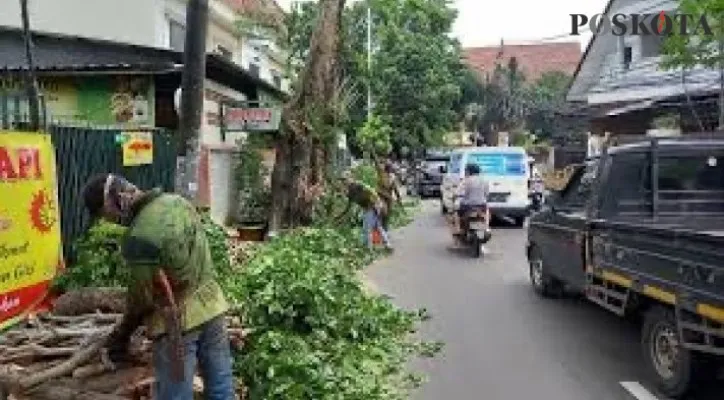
<point>533,59</point>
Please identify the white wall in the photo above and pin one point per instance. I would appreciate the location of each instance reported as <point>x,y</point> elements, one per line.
<point>210,134</point>
<point>127,21</point>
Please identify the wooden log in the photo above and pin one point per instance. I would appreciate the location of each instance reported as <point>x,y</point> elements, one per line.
<point>65,368</point>
<point>97,318</point>
<point>89,300</point>
<point>34,351</point>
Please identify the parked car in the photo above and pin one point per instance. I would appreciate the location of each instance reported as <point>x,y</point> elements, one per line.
<point>507,171</point>
<point>639,231</point>
<point>430,173</point>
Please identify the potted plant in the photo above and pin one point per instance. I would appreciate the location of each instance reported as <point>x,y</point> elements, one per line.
<point>254,194</point>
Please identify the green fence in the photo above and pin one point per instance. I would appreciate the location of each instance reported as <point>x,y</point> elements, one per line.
<point>83,152</point>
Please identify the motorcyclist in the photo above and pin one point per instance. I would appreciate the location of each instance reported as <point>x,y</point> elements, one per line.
<point>475,190</point>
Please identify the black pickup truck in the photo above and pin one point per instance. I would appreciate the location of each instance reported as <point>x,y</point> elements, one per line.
<point>640,232</point>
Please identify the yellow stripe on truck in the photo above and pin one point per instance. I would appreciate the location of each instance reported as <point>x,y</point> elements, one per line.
<point>659,294</point>
<point>711,312</point>
<point>617,279</point>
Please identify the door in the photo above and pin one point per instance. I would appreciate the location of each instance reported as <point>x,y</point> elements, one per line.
<point>563,251</point>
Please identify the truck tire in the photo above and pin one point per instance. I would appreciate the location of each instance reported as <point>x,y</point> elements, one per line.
<point>443,209</point>
<point>543,283</point>
<point>674,369</point>
<point>519,222</point>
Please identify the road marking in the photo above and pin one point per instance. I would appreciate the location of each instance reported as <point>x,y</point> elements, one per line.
<point>638,391</point>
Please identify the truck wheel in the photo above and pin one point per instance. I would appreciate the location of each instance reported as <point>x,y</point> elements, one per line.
<point>543,284</point>
<point>443,209</point>
<point>519,222</point>
<point>673,368</point>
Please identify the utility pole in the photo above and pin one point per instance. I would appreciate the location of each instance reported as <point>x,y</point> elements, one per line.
<point>369,61</point>
<point>31,83</point>
<point>192,95</point>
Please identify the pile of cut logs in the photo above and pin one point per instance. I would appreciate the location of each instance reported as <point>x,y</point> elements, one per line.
<point>59,355</point>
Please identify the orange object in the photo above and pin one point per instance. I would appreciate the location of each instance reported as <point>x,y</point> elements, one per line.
<point>376,237</point>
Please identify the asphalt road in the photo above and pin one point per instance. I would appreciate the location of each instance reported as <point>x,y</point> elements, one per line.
<point>501,341</point>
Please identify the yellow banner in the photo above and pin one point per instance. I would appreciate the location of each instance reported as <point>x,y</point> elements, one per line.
<point>30,244</point>
<point>137,148</point>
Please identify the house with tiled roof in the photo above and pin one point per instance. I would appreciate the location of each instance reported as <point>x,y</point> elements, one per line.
<point>534,59</point>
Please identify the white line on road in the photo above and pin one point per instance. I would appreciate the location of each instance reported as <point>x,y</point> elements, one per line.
<point>638,391</point>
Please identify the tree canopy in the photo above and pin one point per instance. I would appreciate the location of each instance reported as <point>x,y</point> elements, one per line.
<point>416,71</point>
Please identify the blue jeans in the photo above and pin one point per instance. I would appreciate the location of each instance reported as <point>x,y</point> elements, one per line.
<point>209,343</point>
<point>370,221</point>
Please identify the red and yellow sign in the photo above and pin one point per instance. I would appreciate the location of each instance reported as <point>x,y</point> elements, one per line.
<point>137,148</point>
<point>30,245</point>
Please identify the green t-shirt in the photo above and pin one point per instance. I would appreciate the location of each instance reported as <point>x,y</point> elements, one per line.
<point>167,233</point>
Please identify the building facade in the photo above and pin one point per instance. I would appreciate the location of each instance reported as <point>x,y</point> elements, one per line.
<point>620,78</point>
<point>93,54</point>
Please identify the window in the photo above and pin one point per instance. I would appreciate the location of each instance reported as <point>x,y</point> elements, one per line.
<point>691,173</point>
<point>254,69</point>
<point>499,164</point>
<point>691,183</point>
<point>177,35</point>
<point>578,191</point>
<point>276,78</point>
<point>628,185</point>
<point>455,160</point>
<point>627,57</point>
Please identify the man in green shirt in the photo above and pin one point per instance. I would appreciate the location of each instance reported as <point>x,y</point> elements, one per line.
<point>372,208</point>
<point>173,288</point>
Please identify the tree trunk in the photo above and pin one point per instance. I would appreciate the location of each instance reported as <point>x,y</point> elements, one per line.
<point>294,172</point>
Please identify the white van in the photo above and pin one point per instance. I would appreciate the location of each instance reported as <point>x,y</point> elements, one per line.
<point>505,168</point>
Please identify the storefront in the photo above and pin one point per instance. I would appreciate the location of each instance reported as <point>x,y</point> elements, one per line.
<point>99,100</point>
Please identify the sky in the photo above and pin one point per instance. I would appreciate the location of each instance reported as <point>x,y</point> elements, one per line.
<point>485,22</point>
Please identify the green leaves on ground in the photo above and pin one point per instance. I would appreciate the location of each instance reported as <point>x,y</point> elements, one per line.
<point>315,332</point>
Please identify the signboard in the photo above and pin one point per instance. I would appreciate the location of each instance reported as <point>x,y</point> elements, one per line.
<point>30,245</point>
<point>124,101</point>
<point>244,117</point>
<point>137,148</point>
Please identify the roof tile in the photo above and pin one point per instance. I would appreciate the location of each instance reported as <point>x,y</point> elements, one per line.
<point>534,59</point>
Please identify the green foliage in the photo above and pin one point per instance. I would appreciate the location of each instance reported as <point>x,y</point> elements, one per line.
<point>251,174</point>
<point>416,67</point>
<point>98,260</point>
<point>374,137</point>
<point>315,332</point>
<point>218,245</point>
<point>545,97</point>
<point>505,103</point>
<point>696,48</point>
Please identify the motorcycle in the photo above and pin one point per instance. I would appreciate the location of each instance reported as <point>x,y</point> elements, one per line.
<point>474,231</point>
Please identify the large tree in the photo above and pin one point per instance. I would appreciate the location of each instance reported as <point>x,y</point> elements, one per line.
<point>698,47</point>
<point>307,120</point>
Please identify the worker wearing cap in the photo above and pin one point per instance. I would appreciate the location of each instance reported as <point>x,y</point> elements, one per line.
<point>172,289</point>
